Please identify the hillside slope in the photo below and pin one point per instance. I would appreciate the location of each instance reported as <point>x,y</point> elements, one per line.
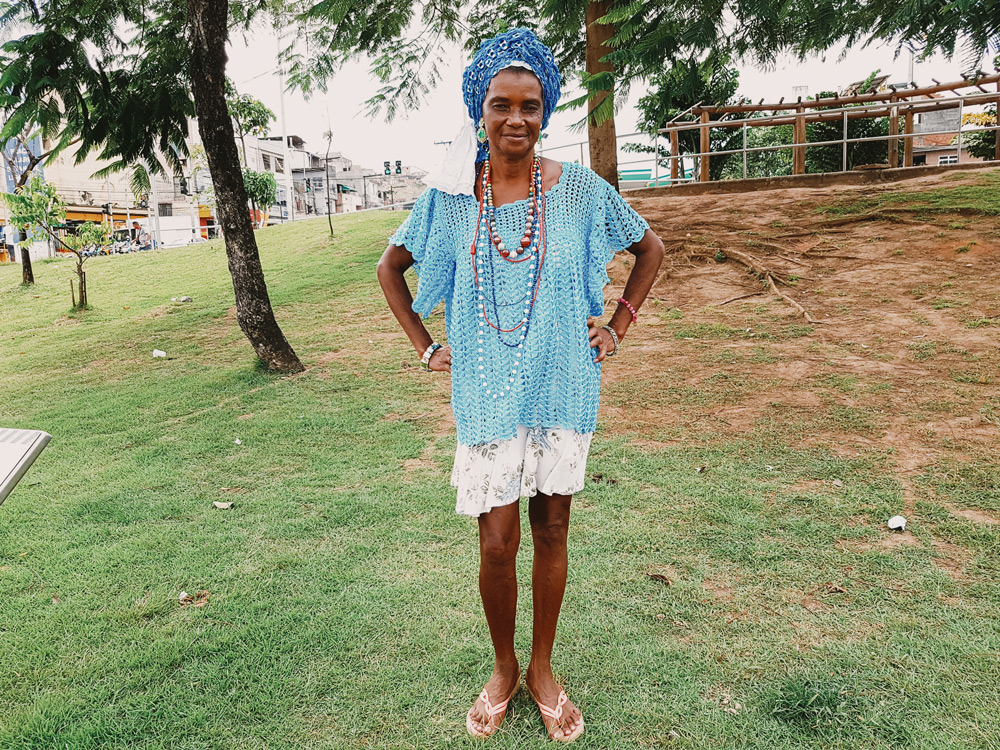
<point>903,283</point>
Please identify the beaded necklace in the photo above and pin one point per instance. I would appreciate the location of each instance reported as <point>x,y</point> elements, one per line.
<point>487,242</point>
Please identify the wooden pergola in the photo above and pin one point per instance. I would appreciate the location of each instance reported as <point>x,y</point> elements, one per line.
<point>896,104</point>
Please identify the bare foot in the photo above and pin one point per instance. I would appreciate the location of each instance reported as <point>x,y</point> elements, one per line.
<point>545,691</point>
<point>499,688</point>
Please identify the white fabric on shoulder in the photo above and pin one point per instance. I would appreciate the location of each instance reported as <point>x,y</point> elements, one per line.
<point>457,173</point>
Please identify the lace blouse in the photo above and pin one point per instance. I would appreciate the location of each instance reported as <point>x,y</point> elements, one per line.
<point>543,376</point>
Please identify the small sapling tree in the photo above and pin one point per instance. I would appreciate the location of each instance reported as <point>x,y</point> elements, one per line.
<point>88,235</point>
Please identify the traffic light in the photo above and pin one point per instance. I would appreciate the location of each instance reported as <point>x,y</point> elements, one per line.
<point>309,185</point>
<point>106,208</point>
<point>399,167</point>
<point>388,171</point>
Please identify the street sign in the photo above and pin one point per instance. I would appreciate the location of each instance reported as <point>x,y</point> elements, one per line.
<point>18,450</point>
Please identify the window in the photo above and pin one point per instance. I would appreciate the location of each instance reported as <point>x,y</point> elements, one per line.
<point>279,165</point>
<point>267,162</point>
<point>317,183</point>
<point>166,209</point>
<point>949,159</point>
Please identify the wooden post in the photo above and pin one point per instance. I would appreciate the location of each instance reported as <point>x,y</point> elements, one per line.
<point>799,132</point>
<point>893,133</point>
<point>908,142</point>
<point>996,133</point>
<point>706,144</point>
<point>674,155</point>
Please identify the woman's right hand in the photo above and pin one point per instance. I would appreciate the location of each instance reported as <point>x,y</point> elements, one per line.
<point>441,360</point>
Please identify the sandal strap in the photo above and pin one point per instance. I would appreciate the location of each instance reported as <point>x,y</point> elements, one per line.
<point>492,710</point>
<point>555,713</point>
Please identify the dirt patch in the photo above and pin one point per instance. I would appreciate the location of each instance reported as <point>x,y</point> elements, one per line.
<point>418,464</point>
<point>950,558</point>
<point>885,543</point>
<point>902,357</point>
<point>157,312</point>
<point>971,514</point>
<point>896,539</point>
<point>721,590</point>
<point>811,604</point>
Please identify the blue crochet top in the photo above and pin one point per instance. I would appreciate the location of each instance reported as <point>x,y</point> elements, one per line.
<point>549,379</point>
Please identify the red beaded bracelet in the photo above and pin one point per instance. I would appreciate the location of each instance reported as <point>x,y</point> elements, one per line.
<point>623,301</point>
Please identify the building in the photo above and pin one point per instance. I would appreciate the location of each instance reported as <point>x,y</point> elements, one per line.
<point>179,210</point>
<point>352,187</point>
<point>171,212</point>
<point>940,144</point>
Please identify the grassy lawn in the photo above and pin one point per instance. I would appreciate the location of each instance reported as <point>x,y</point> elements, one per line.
<point>725,591</point>
<point>978,198</point>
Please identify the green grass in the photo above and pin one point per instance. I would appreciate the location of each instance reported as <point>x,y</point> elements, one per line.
<point>923,350</point>
<point>978,198</point>
<point>342,609</point>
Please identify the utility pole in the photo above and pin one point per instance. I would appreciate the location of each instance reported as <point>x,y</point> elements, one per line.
<point>154,211</point>
<point>289,197</point>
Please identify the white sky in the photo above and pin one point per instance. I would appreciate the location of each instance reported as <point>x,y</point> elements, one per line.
<point>253,67</point>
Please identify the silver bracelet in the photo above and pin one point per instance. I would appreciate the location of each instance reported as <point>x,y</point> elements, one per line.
<point>426,359</point>
<point>614,337</point>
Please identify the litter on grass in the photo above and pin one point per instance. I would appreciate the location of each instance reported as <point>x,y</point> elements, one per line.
<point>158,353</point>
<point>897,522</point>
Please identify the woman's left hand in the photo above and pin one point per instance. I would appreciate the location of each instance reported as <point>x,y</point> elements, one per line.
<point>600,340</point>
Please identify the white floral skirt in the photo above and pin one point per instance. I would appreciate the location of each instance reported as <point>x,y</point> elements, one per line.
<point>550,460</point>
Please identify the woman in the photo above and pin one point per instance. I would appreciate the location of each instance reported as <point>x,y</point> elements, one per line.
<point>517,248</point>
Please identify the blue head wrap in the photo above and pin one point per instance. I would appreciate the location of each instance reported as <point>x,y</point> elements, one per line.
<point>493,55</point>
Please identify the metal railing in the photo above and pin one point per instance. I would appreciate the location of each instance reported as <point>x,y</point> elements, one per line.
<point>894,104</point>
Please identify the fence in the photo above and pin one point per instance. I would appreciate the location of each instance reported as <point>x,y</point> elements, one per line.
<point>896,104</point>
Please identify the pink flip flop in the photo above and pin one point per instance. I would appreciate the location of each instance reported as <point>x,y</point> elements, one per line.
<point>492,711</point>
<point>557,715</point>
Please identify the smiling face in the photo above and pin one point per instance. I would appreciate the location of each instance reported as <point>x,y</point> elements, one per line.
<point>512,112</point>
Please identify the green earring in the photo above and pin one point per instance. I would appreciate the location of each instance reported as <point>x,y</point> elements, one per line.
<point>481,133</point>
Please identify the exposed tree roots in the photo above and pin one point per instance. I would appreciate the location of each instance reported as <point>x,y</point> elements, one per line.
<point>789,300</point>
<point>742,296</point>
<point>769,275</point>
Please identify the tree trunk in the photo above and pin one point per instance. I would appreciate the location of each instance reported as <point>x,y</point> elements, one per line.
<point>326,178</point>
<point>207,21</point>
<point>603,146</point>
<point>83,288</point>
<point>27,275</point>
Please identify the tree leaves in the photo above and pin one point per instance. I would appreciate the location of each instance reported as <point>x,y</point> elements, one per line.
<point>262,187</point>
<point>103,75</point>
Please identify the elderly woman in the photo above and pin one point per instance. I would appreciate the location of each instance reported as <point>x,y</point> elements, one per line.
<point>517,247</point>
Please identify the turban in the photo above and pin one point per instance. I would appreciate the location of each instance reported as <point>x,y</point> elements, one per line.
<point>514,48</point>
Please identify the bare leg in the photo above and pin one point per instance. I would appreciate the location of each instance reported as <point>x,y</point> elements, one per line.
<point>549,516</point>
<point>499,538</point>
